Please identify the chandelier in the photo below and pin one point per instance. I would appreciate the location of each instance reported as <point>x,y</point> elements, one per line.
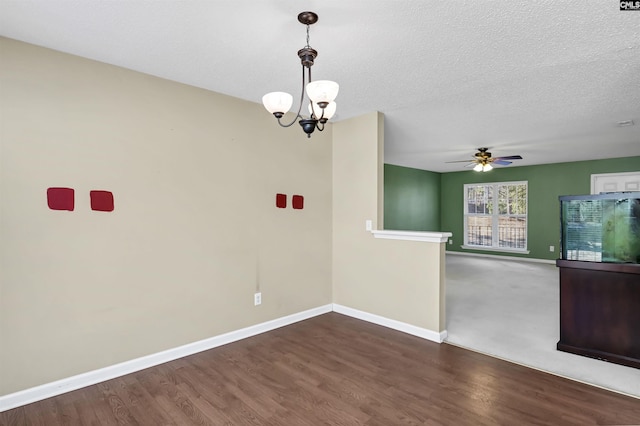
<point>321,93</point>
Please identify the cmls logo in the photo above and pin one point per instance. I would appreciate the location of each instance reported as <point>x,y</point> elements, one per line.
<point>629,5</point>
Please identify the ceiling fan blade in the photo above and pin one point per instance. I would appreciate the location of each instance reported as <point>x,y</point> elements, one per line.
<point>501,162</point>
<point>461,161</point>
<point>509,157</point>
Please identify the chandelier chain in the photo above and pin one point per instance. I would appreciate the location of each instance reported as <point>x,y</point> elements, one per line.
<point>307,37</point>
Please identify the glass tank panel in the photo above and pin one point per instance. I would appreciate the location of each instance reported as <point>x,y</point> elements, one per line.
<point>601,228</point>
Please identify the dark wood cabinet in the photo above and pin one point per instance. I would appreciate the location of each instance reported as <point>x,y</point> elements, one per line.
<point>600,310</point>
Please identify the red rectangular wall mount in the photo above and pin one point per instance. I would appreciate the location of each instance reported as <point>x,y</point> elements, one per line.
<point>61,198</point>
<point>297,202</point>
<point>281,201</point>
<point>101,201</point>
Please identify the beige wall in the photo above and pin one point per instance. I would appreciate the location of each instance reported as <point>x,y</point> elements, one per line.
<point>195,229</point>
<point>398,280</point>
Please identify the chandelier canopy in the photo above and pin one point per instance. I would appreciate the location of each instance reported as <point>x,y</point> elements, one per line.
<point>321,93</point>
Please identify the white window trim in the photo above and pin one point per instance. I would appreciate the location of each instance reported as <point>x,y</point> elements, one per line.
<point>494,217</point>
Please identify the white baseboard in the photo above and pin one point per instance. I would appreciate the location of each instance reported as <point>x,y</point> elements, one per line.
<point>69,384</point>
<point>425,333</point>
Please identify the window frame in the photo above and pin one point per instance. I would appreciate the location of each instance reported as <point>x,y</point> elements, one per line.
<point>495,217</point>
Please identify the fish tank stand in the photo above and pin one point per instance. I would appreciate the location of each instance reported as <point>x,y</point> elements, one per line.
<point>600,277</point>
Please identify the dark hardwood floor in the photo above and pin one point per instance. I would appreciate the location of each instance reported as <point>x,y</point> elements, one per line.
<point>334,370</point>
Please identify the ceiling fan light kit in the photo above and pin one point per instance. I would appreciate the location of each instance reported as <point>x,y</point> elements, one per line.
<point>321,93</point>
<point>480,167</point>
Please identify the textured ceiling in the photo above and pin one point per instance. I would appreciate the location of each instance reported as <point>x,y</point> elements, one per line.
<point>548,80</point>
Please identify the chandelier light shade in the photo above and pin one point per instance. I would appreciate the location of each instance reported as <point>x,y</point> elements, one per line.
<point>322,91</point>
<point>277,103</point>
<point>329,110</point>
<point>321,94</point>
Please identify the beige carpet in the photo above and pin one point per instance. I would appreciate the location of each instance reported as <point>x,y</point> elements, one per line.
<point>510,309</point>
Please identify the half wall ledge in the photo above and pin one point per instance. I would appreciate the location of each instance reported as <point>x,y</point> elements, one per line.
<point>429,237</point>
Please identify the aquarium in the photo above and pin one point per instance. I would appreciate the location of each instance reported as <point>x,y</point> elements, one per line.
<point>601,228</point>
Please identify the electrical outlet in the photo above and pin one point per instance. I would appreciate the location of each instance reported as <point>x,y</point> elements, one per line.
<point>552,248</point>
<point>450,242</point>
<point>257,299</point>
<point>368,225</point>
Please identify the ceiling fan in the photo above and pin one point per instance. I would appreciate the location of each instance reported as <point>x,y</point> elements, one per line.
<point>482,160</point>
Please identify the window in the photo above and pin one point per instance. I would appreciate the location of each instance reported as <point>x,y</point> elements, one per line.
<point>495,216</point>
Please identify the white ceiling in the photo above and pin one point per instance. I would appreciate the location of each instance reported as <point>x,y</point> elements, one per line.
<point>548,80</point>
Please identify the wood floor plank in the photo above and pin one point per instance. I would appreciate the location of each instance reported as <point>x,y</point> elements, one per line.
<point>85,409</point>
<point>142,406</point>
<point>162,382</point>
<point>334,370</point>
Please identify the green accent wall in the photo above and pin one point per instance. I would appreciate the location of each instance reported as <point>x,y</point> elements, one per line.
<point>411,199</point>
<point>404,205</point>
